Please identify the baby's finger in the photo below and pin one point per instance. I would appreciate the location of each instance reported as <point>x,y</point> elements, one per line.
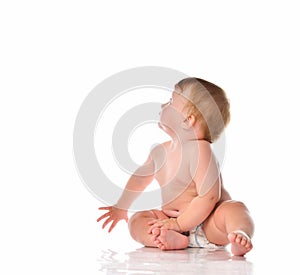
<point>150,230</point>
<point>106,222</point>
<point>104,208</point>
<point>112,225</point>
<point>156,225</point>
<point>103,216</point>
<point>152,222</point>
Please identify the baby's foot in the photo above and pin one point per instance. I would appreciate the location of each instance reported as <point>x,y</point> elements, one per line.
<point>171,240</point>
<point>240,243</point>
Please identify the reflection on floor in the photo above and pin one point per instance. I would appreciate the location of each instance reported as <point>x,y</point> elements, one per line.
<point>147,260</point>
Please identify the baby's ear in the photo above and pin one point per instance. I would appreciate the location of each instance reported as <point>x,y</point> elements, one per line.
<point>189,122</point>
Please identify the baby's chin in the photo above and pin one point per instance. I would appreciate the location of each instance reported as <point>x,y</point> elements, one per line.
<point>160,125</point>
<point>165,128</point>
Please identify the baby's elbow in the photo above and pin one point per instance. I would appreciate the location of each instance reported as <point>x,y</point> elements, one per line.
<point>214,199</point>
<point>213,195</point>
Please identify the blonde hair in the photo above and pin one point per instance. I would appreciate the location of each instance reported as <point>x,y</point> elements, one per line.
<point>208,103</point>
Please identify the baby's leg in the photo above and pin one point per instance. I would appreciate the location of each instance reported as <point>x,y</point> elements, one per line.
<point>138,226</point>
<point>230,223</point>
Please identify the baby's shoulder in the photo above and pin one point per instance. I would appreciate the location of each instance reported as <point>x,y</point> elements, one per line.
<point>160,146</point>
<point>159,149</point>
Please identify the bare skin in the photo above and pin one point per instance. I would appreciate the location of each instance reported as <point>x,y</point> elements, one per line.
<point>170,240</point>
<point>240,243</point>
<point>192,192</point>
<point>227,224</point>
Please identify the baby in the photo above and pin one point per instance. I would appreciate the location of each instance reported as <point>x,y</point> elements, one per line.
<point>196,209</point>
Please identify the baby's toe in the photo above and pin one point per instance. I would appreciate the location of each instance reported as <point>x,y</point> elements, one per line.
<point>243,241</point>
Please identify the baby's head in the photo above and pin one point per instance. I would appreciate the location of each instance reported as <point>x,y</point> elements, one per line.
<point>208,103</point>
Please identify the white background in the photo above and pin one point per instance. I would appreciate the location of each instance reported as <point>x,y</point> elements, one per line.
<point>54,53</point>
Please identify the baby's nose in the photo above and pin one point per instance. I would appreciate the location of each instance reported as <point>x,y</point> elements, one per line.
<point>163,105</point>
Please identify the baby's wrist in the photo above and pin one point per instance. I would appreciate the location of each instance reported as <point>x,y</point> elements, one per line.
<point>177,224</point>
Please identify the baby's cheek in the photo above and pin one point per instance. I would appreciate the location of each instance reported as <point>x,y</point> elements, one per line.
<point>171,117</point>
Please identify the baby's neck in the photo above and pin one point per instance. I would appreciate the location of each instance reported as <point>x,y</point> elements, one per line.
<point>176,143</point>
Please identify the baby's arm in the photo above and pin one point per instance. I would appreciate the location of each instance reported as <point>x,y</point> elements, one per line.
<point>135,185</point>
<point>205,174</point>
<point>198,210</point>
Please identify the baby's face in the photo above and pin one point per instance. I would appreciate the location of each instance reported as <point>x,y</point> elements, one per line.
<point>173,115</point>
<point>177,101</point>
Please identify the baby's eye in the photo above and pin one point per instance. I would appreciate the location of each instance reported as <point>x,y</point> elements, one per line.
<point>171,100</point>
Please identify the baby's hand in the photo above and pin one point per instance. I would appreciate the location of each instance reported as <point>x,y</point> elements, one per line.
<point>113,214</point>
<point>170,224</point>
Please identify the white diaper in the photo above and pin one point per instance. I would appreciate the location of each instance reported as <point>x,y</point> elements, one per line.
<point>197,238</point>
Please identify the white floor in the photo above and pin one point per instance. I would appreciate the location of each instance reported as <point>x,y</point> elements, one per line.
<point>190,261</point>
<point>117,253</point>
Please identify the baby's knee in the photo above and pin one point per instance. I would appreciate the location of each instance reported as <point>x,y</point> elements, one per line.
<point>231,205</point>
<point>136,218</point>
<point>138,225</point>
<point>133,219</point>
